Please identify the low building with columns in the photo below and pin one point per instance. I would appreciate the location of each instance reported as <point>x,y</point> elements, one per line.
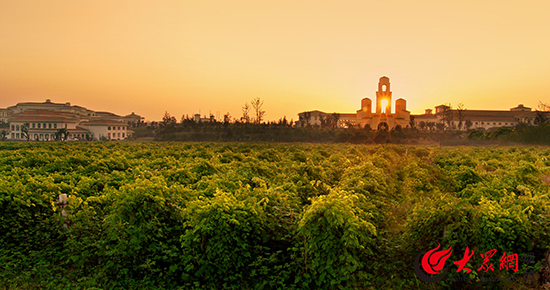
<point>57,121</point>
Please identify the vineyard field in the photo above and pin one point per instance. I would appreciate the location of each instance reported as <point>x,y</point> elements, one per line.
<point>268,216</point>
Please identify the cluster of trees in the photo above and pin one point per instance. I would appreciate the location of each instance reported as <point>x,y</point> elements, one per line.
<point>252,113</point>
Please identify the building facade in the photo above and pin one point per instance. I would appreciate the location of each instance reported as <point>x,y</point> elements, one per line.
<point>56,121</point>
<point>465,119</point>
<point>380,116</point>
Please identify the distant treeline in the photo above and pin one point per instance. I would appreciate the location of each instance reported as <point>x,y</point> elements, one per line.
<point>522,133</point>
<point>284,131</point>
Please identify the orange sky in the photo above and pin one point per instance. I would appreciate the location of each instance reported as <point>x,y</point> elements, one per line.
<point>184,56</point>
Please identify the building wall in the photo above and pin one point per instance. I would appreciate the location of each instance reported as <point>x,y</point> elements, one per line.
<point>109,132</point>
<point>36,133</point>
<point>117,131</point>
<point>4,115</point>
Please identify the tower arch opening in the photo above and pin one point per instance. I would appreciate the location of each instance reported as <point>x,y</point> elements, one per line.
<point>383,126</point>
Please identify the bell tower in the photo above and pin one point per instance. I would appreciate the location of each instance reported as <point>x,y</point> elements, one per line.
<point>383,96</point>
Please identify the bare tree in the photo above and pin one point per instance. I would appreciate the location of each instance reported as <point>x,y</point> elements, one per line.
<point>335,120</point>
<point>447,115</point>
<point>468,124</point>
<point>62,134</point>
<point>167,120</point>
<point>422,125</point>
<point>543,114</point>
<point>183,118</point>
<point>412,122</point>
<point>307,117</point>
<point>460,112</point>
<point>227,118</point>
<point>325,122</point>
<point>246,113</point>
<point>430,125</point>
<point>257,105</point>
<point>25,131</point>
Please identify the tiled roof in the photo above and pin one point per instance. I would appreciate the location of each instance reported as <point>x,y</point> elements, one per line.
<point>108,114</point>
<point>43,115</point>
<point>347,114</point>
<point>78,130</point>
<point>103,123</point>
<point>43,112</point>
<point>492,119</point>
<point>42,118</point>
<point>314,111</point>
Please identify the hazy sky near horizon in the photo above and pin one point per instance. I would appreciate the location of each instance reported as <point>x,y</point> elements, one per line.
<point>214,56</point>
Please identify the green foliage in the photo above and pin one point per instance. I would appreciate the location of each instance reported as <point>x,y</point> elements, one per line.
<point>261,216</point>
<point>223,238</point>
<point>336,238</point>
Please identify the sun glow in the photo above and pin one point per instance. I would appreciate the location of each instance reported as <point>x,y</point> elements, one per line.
<point>384,105</point>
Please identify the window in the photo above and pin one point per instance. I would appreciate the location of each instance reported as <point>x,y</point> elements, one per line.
<point>16,127</point>
<point>13,127</point>
<point>38,125</point>
<point>476,123</point>
<point>481,123</point>
<point>505,123</point>
<point>12,135</point>
<point>122,135</point>
<point>118,135</point>
<point>44,125</point>
<point>118,128</point>
<point>17,135</point>
<point>34,125</point>
<point>55,126</point>
<point>109,128</point>
<point>109,135</point>
<point>50,125</point>
<point>500,123</point>
<point>65,126</point>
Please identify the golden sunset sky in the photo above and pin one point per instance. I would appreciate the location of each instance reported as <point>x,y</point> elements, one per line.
<point>184,56</point>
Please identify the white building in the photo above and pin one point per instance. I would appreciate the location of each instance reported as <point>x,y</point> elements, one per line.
<point>106,129</point>
<point>53,121</point>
